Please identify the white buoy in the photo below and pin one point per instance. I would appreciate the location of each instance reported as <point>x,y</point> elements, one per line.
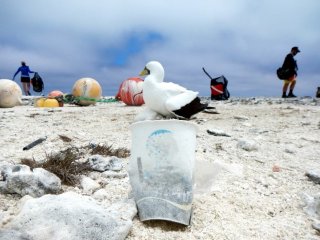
<point>10,93</point>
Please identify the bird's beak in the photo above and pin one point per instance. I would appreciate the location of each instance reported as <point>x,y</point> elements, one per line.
<point>144,72</point>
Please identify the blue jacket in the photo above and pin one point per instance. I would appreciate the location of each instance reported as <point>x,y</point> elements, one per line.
<point>24,71</point>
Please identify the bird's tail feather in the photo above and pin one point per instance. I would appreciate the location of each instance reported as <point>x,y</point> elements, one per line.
<point>191,108</point>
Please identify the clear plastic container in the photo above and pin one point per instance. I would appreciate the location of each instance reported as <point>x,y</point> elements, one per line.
<point>161,169</point>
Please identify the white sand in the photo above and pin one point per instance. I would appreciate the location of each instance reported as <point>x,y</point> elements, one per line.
<point>261,205</point>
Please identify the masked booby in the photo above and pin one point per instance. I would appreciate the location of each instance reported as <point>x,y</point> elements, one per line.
<point>166,99</point>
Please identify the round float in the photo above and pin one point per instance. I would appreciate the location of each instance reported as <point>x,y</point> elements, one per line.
<point>50,103</point>
<point>10,93</point>
<point>130,91</point>
<point>86,89</point>
<point>39,102</point>
<point>55,93</point>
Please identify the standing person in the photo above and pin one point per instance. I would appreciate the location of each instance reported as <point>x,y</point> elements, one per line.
<point>290,64</point>
<point>25,78</point>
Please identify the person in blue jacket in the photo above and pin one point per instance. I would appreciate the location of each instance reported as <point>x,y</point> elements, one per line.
<point>25,78</point>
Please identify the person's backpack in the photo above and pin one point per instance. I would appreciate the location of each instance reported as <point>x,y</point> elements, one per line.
<point>37,83</point>
<point>283,74</point>
<point>218,87</point>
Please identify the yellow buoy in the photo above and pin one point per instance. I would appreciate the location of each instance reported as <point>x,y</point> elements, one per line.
<point>50,102</point>
<point>57,94</point>
<point>39,102</point>
<point>86,89</point>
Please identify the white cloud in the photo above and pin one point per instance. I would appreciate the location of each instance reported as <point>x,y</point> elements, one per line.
<point>244,40</point>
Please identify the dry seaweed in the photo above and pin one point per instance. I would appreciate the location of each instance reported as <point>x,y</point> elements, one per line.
<point>106,150</point>
<point>65,138</point>
<point>29,162</point>
<point>64,165</point>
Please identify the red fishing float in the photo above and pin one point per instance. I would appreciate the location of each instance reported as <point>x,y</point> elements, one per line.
<point>55,93</point>
<point>130,91</point>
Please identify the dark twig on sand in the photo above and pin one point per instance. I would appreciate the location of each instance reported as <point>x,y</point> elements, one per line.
<point>35,143</point>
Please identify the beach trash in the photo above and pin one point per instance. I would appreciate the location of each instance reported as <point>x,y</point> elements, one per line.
<point>55,93</point>
<point>161,169</point>
<point>39,102</point>
<point>50,103</point>
<point>10,93</point>
<point>130,91</point>
<point>88,90</point>
<point>58,95</point>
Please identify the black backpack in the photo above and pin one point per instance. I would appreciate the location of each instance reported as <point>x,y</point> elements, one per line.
<point>37,83</point>
<point>218,87</point>
<point>284,74</point>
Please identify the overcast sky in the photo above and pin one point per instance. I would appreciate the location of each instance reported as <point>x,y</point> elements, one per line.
<point>244,40</point>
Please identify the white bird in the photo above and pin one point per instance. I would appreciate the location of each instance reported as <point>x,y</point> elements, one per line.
<point>166,99</point>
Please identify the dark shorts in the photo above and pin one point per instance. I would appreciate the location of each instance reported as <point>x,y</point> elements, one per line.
<point>25,79</point>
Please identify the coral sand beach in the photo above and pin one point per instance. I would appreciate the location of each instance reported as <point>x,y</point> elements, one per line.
<point>274,142</point>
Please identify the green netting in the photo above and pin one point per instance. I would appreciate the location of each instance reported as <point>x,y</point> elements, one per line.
<point>69,98</point>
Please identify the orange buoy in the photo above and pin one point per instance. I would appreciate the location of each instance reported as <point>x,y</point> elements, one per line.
<point>130,91</point>
<point>86,89</point>
<point>58,95</point>
<point>55,93</point>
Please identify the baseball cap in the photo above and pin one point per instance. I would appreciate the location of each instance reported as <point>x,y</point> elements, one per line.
<point>295,49</point>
